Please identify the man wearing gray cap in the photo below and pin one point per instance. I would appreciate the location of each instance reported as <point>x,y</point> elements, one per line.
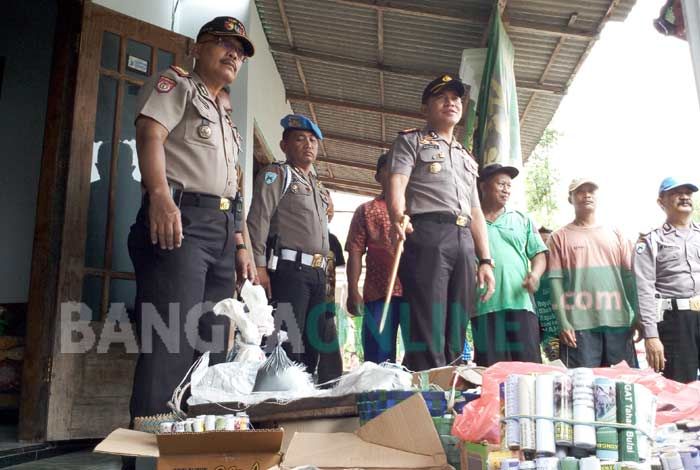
<point>666,263</point>
<point>589,268</point>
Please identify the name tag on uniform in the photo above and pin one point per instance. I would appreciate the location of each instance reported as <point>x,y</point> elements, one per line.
<point>430,146</point>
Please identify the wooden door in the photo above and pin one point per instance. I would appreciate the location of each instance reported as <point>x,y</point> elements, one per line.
<point>89,392</point>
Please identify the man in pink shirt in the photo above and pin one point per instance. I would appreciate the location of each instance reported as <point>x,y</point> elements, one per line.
<point>369,233</point>
<point>593,293</point>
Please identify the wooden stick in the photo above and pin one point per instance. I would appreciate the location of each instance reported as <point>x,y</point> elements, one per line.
<point>392,279</point>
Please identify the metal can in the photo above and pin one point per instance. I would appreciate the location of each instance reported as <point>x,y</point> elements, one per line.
<point>165,427</point>
<point>188,425</point>
<point>243,421</point>
<point>198,425</point>
<point>230,423</point>
<point>179,426</point>
<point>210,423</point>
<point>220,423</point>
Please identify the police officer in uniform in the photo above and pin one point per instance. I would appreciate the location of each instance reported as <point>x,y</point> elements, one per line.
<point>186,242</point>
<point>666,264</point>
<point>288,226</point>
<point>433,180</point>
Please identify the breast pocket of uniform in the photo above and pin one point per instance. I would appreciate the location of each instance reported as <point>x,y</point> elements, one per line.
<point>432,164</point>
<point>668,254</point>
<point>202,126</point>
<point>300,197</point>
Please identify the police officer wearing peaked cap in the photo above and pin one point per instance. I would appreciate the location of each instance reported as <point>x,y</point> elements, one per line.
<point>186,242</point>
<point>288,226</point>
<point>666,264</point>
<point>434,181</point>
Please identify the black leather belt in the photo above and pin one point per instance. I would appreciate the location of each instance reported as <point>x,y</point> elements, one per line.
<point>207,201</point>
<point>442,218</point>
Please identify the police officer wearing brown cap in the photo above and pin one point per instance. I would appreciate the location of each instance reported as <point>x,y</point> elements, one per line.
<point>288,225</point>
<point>187,241</point>
<point>433,180</point>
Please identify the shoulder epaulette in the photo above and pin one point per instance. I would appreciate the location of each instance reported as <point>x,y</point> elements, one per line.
<point>180,71</point>
<point>408,131</point>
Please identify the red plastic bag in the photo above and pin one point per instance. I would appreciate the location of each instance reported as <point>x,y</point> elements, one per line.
<point>480,419</point>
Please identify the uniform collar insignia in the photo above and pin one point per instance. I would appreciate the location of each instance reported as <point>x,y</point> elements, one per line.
<point>668,228</point>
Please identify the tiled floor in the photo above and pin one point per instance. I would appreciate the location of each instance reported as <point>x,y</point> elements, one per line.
<point>75,461</point>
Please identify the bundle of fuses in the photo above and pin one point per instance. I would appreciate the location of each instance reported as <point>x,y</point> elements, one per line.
<point>576,421</point>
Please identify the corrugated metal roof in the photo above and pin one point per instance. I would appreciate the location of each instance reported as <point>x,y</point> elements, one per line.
<point>362,94</point>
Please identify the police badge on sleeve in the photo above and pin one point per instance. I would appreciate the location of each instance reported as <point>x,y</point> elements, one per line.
<point>165,84</point>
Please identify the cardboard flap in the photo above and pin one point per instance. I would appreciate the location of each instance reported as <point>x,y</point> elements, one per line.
<point>346,450</point>
<point>407,427</point>
<point>229,442</point>
<point>129,443</point>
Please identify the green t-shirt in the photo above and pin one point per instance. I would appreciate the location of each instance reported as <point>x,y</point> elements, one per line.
<point>513,242</point>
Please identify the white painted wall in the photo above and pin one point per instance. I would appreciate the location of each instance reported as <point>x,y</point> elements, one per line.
<point>257,94</point>
<point>157,12</point>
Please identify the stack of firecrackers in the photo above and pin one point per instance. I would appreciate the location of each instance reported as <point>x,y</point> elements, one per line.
<point>575,420</point>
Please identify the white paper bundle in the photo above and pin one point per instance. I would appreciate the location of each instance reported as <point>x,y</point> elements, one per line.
<point>512,426</point>
<point>547,463</point>
<point>544,406</point>
<point>588,463</point>
<point>584,435</point>
<point>671,461</point>
<point>645,410</point>
<point>563,408</point>
<point>526,401</point>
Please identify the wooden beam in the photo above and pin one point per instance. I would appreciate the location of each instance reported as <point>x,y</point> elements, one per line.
<point>351,183</point>
<point>567,32</point>
<point>380,60</point>
<point>357,141</point>
<point>470,17</point>
<point>527,109</point>
<point>285,22</point>
<point>424,73</point>
<point>347,163</point>
<point>300,69</point>
<point>299,98</point>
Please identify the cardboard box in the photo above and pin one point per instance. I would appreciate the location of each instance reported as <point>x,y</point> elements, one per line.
<point>217,450</point>
<point>320,425</point>
<point>484,456</point>
<point>403,437</point>
<point>444,377</point>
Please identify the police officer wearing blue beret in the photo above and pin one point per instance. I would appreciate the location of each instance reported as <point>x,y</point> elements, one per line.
<point>288,226</point>
<point>666,264</point>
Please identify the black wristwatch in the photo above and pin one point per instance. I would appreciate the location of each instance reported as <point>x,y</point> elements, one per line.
<point>241,246</point>
<point>488,261</point>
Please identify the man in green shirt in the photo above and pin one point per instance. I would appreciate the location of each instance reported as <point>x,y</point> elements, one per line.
<point>505,327</point>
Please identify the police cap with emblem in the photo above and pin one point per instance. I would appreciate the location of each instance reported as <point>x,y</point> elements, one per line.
<point>672,183</point>
<point>231,27</point>
<point>443,82</point>
<point>302,123</point>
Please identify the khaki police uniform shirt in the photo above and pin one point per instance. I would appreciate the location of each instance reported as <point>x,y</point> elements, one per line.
<point>665,262</point>
<point>442,175</point>
<point>297,217</point>
<point>203,144</point>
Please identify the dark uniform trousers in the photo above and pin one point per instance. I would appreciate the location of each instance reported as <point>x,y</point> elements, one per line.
<point>437,272</point>
<point>304,288</point>
<point>679,332</point>
<point>200,272</point>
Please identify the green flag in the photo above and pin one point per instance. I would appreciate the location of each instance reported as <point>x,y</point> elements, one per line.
<point>498,133</point>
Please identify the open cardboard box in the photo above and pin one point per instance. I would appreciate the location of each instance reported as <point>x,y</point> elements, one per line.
<point>216,450</point>
<point>403,437</point>
<point>444,377</point>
